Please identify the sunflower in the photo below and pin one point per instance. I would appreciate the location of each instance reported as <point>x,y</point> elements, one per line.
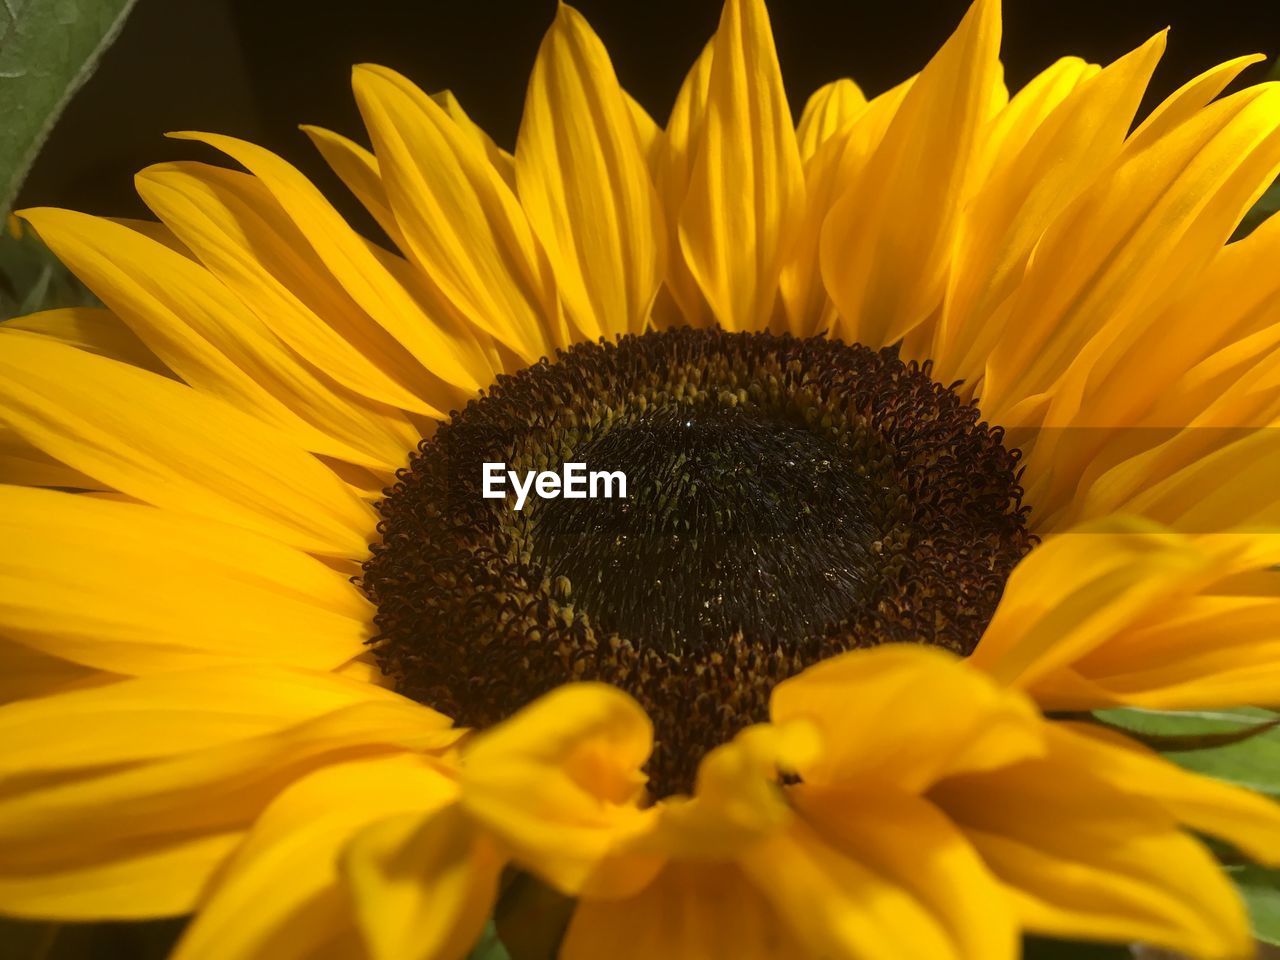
<point>945,417</point>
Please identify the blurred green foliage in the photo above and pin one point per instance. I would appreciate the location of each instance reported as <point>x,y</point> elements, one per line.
<point>48,48</point>
<point>32,278</point>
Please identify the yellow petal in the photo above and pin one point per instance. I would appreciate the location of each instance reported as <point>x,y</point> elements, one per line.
<point>559,781</point>
<point>1202,651</point>
<point>423,886</point>
<point>232,223</point>
<point>154,231</point>
<point>93,329</point>
<point>933,716</point>
<point>1211,378</point>
<point>164,443</point>
<point>838,907</point>
<point>88,816</point>
<point>1181,105</point>
<point>461,223</point>
<point>839,159</point>
<point>1079,589</point>
<point>648,133</point>
<point>585,185</point>
<point>26,465</point>
<point>167,715</point>
<point>1008,132</point>
<point>886,244</point>
<point>692,911</point>
<point>210,339</point>
<point>1154,222</point>
<point>857,877</point>
<point>1027,189</point>
<point>352,260</point>
<point>139,883</point>
<point>358,169</point>
<point>828,111</point>
<point>1208,638</point>
<point>913,847</point>
<point>737,799</point>
<point>1082,860</point>
<point>744,205</point>
<point>280,897</point>
<point>27,673</point>
<point>672,172</point>
<point>502,161</point>
<point>808,308</point>
<point>1248,821</point>
<point>1198,482</point>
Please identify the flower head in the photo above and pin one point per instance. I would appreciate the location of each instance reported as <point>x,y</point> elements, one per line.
<point>945,413</point>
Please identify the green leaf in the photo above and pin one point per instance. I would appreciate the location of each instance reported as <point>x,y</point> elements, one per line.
<point>1261,891</point>
<point>1253,762</point>
<point>47,49</point>
<point>531,917</point>
<point>32,278</point>
<point>1182,742</point>
<point>490,946</point>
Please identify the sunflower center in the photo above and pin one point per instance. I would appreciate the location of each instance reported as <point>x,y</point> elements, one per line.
<point>734,523</point>
<point>786,500</point>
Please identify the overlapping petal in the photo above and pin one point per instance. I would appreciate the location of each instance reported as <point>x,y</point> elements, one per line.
<point>135,431</point>
<point>233,224</point>
<point>214,342</point>
<point>221,593</point>
<point>672,173</point>
<point>560,781</point>
<point>585,185</point>
<point>1082,859</point>
<point>742,210</point>
<point>1065,130</point>
<point>423,884</point>
<point>933,718</point>
<point>886,243</point>
<point>279,896</point>
<point>460,221</point>
<point>87,823</point>
<point>1126,611</point>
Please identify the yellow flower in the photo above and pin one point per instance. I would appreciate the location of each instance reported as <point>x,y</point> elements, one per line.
<point>256,668</point>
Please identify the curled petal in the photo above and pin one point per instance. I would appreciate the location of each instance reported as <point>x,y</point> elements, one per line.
<point>1080,858</point>
<point>422,884</point>
<point>559,781</point>
<point>280,897</point>
<point>932,716</point>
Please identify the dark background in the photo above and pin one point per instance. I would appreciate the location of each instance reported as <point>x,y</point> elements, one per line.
<point>257,68</point>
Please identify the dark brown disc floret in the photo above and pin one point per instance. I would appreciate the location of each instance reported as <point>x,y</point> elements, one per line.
<point>787,500</point>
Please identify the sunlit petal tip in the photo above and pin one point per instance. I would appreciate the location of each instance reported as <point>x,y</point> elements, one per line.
<point>584,183</point>
<point>886,244</point>
<point>744,207</point>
